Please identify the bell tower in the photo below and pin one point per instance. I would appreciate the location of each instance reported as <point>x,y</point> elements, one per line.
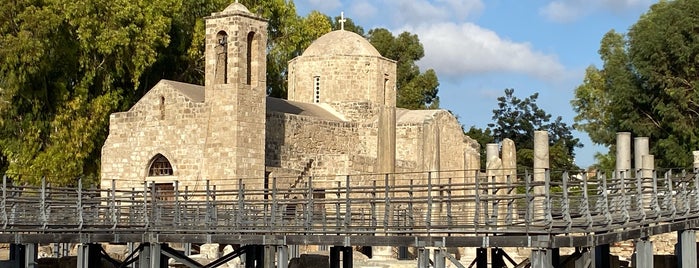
<point>235,92</point>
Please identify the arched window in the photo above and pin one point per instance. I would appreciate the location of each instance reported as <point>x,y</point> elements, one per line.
<point>252,63</point>
<point>160,166</point>
<point>221,73</point>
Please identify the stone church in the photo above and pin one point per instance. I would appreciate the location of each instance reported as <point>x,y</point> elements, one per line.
<point>340,119</point>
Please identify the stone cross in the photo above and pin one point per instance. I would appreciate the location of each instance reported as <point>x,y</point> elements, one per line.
<point>342,20</point>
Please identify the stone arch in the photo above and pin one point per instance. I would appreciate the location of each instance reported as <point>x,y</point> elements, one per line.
<point>221,50</point>
<point>159,165</point>
<point>252,59</point>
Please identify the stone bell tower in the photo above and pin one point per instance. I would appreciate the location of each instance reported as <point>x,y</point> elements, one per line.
<point>235,90</point>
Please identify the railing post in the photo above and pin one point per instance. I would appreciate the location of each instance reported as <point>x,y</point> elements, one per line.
<point>509,218</point>
<point>428,218</point>
<point>449,215</point>
<point>529,213</point>
<point>654,202</point>
<point>668,201</point>
<point>585,203</point>
<point>338,222</point>
<point>44,212</point>
<point>696,189</point>
<point>79,205</point>
<point>146,217</point>
<point>624,197</point>
<point>387,204</point>
<point>640,195</point>
<point>348,203</point>
<point>602,201</point>
<point>112,205</point>
<point>177,221</point>
<point>275,204</point>
<point>477,201</point>
<point>547,201</point>
<point>309,204</point>
<point>241,204</point>
<point>566,202</point>
<point>4,202</point>
<point>373,205</point>
<point>155,214</point>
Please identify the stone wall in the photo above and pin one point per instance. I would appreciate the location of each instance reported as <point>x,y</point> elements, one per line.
<point>163,122</point>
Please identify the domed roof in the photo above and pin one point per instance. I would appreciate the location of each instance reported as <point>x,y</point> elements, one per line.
<point>341,42</point>
<point>236,7</point>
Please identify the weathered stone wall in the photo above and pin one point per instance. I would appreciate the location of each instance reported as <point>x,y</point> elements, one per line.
<point>163,122</point>
<point>342,78</point>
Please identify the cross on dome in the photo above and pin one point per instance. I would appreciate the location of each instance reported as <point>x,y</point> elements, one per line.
<point>342,20</point>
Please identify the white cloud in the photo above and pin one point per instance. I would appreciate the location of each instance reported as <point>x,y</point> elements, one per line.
<point>571,10</point>
<point>363,9</point>
<point>466,49</point>
<point>324,5</point>
<point>423,11</point>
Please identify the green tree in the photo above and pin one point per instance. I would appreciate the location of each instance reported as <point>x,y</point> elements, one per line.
<point>648,85</point>
<point>517,119</point>
<point>416,90</point>
<point>483,137</point>
<point>66,66</point>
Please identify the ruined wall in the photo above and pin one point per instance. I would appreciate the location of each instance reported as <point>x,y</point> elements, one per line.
<point>163,122</point>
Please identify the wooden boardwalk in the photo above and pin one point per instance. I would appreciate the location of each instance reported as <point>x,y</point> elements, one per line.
<point>392,210</point>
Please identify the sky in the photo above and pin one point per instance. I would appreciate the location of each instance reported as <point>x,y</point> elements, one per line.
<point>478,48</point>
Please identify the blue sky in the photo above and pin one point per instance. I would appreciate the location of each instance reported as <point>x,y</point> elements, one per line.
<point>480,47</point>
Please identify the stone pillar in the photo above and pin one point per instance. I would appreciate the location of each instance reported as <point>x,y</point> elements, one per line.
<point>640,148</point>
<point>695,163</point>
<point>541,158</point>
<point>493,172</point>
<point>423,257</point>
<point>623,153</point>
<point>647,166</point>
<point>282,256</point>
<point>686,249</point>
<point>643,257</point>
<point>30,255</point>
<point>439,259</point>
<point>509,158</point>
<point>269,255</point>
<point>541,258</point>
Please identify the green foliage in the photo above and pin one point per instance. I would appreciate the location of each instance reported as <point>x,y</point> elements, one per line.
<point>349,25</point>
<point>517,119</point>
<point>416,90</point>
<point>66,66</point>
<point>648,85</point>
<point>483,137</point>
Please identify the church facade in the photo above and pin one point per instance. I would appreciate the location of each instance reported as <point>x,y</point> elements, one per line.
<point>340,119</point>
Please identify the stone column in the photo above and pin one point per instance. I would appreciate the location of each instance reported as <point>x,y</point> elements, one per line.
<point>541,258</point>
<point>640,148</point>
<point>695,163</point>
<point>509,159</point>
<point>644,254</point>
<point>623,153</point>
<point>541,158</point>
<point>647,166</point>
<point>686,249</point>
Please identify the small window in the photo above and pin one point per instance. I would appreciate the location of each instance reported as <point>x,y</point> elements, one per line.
<point>316,89</point>
<point>160,166</point>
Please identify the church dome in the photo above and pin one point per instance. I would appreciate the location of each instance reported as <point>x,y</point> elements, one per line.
<point>236,7</point>
<point>341,42</point>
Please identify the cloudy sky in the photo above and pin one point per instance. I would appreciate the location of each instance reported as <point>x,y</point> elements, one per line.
<point>480,47</point>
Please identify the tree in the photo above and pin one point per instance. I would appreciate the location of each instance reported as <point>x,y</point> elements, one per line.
<point>416,90</point>
<point>648,84</point>
<point>349,25</point>
<point>517,119</point>
<point>66,66</point>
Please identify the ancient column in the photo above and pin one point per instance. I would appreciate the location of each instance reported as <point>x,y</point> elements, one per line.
<point>623,153</point>
<point>695,163</point>
<point>640,148</point>
<point>509,159</point>
<point>541,158</point>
